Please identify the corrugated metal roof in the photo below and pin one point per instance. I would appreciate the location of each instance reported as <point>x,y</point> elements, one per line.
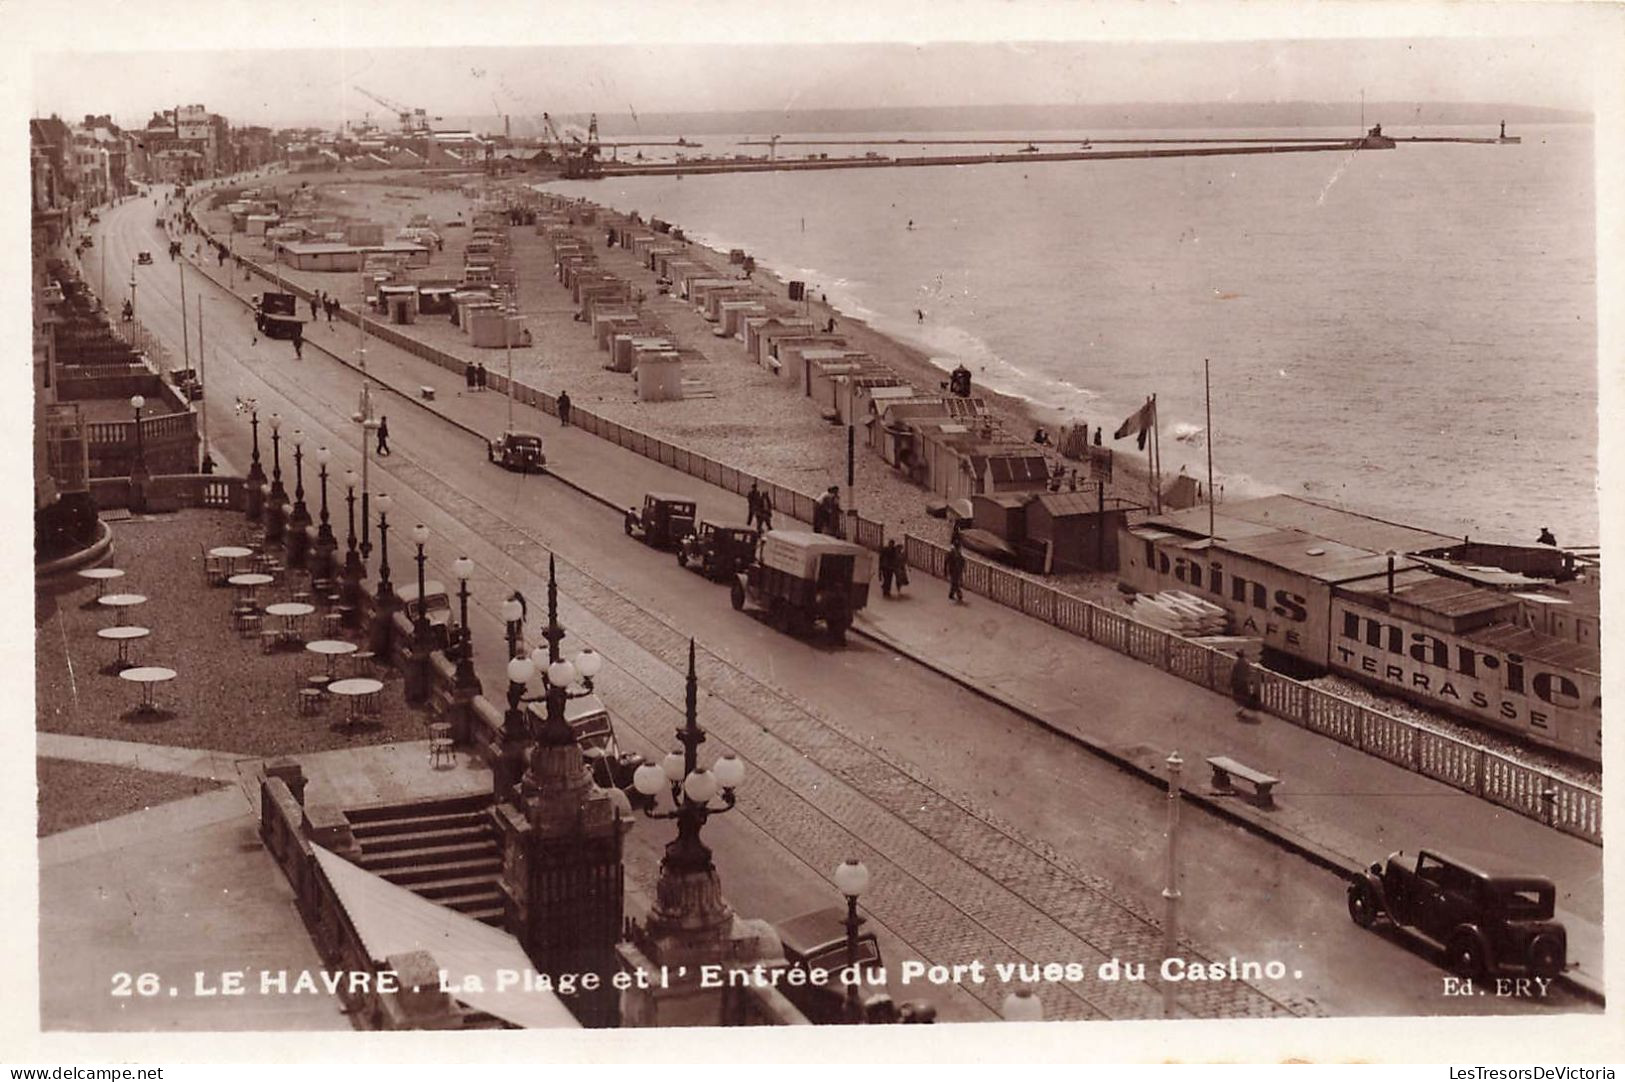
<point>392,920</point>
<point>1306,516</point>
<point>1511,638</point>
<point>1312,557</point>
<point>1061,504</point>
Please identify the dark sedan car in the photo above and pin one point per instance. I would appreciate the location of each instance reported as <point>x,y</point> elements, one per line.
<point>520,451</point>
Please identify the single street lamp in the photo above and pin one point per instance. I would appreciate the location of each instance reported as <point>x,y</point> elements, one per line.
<point>385,589</point>
<point>256,472</point>
<point>138,468</point>
<point>369,424</point>
<point>420,624</point>
<point>1170,893</point>
<point>299,515</point>
<point>326,543</point>
<point>513,620</point>
<point>692,788</point>
<point>277,496</point>
<point>852,879</point>
<point>463,567</point>
<point>354,570</point>
<point>132,287</point>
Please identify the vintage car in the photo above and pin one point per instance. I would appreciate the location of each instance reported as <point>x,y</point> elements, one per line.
<point>800,578</point>
<point>144,258</point>
<point>436,607</point>
<point>520,451</point>
<point>275,314</point>
<point>1483,922</point>
<point>664,521</point>
<point>817,940</point>
<point>611,767</point>
<point>718,550</point>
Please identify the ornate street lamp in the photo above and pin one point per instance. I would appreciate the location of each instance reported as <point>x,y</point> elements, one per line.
<point>299,515</point>
<point>256,472</point>
<point>692,789</point>
<point>138,468</point>
<point>354,570</point>
<point>420,625</point>
<point>277,496</point>
<point>513,620</point>
<point>852,879</point>
<point>1170,893</point>
<point>464,568</point>
<point>385,588</point>
<point>326,543</point>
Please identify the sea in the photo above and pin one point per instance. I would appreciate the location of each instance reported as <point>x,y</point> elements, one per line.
<point>1408,333</point>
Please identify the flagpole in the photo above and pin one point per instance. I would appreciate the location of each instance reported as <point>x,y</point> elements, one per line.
<point>1207,385</point>
<point>1150,450</point>
<point>1156,445</point>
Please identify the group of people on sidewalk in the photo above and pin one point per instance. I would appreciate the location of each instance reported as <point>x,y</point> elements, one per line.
<point>758,509</point>
<point>475,376</point>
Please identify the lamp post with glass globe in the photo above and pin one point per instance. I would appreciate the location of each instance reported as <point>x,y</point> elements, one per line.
<point>420,623</point>
<point>354,569</point>
<point>275,521</point>
<point>138,463</point>
<point>384,592</point>
<point>299,515</point>
<point>513,622</point>
<point>463,567</point>
<point>852,879</point>
<point>256,472</point>
<point>326,544</point>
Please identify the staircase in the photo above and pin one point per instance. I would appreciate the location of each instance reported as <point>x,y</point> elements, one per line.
<point>443,850</point>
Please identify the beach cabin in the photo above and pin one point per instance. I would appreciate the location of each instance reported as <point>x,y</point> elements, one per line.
<point>255,225</point>
<point>851,391</point>
<point>659,376</point>
<point>758,342</point>
<point>473,305</point>
<point>1079,529</point>
<point>364,234</point>
<point>487,326</point>
<point>436,300</point>
<point>1010,467</point>
<point>796,352</point>
<point>399,302</point>
<point>623,356</point>
<point>607,319</point>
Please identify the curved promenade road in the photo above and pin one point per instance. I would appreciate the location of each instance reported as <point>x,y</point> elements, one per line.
<point>989,838</point>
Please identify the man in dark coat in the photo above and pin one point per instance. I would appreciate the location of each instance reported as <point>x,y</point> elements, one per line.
<point>956,571</point>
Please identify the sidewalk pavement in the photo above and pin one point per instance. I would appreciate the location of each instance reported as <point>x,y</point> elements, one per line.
<point>1336,805</point>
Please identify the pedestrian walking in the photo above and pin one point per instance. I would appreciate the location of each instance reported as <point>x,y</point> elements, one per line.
<point>564,408</point>
<point>764,511</point>
<point>470,377</point>
<point>383,436</point>
<point>298,348</point>
<point>753,504</point>
<point>479,376</point>
<point>956,571</point>
<point>312,307</point>
<point>888,567</point>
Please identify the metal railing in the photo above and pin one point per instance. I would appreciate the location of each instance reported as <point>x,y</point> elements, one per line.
<point>1564,805</point>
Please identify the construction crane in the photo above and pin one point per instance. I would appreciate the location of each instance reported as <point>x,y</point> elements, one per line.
<point>413,121</point>
<point>578,158</point>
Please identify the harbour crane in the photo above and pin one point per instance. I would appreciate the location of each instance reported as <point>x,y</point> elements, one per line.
<point>413,121</point>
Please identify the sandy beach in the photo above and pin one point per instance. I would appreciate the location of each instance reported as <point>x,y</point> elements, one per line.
<point>752,418</point>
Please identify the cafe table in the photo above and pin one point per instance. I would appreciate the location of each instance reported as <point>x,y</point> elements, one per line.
<point>231,554</point>
<point>122,603</point>
<point>149,677</point>
<point>123,634</point>
<point>290,612</point>
<point>332,649</point>
<point>355,689</point>
<point>101,576</point>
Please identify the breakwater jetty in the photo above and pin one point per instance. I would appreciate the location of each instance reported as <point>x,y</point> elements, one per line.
<point>877,161</point>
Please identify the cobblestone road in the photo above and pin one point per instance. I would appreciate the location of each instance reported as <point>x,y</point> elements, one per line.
<point>949,879</point>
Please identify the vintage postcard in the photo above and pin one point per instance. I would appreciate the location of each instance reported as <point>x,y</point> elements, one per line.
<point>823,523</point>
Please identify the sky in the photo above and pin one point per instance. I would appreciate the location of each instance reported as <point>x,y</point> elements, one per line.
<point>298,63</point>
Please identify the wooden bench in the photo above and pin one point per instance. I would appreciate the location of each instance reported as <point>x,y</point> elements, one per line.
<point>1225,769</point>
<point>426,393</point>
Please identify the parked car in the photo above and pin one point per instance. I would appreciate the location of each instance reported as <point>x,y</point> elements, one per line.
<point>144,258</point>
<point>664,521</point>
<point>611,767</point>
<point>718,550</point>
<point>436,606</point>
<point>800,578</point>
<point>1483,922</point>
<point>817,940</point>
<point>520,451</point>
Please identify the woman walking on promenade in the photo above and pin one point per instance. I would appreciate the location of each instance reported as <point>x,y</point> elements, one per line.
<point>383,436</point>
<point>956,571</point>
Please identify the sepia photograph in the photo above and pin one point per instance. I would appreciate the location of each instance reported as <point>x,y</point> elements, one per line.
<point>623,516</point>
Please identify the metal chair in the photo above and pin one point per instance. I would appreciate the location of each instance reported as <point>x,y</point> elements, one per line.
<point>441,749</point>
<point>311,701</point>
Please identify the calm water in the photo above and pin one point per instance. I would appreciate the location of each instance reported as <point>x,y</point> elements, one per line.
<point>1411,333</point>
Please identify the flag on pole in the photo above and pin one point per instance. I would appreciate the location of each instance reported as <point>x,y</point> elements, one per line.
<point>1138,424</point>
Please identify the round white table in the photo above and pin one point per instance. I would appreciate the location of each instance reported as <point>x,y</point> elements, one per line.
<point>101,576</point>
<point>248,584</point>
<point>332,649</point>
<point>356,689</point>
<point>290,611</point>
<point>123,634</point>
<point>122,603</point>
<point>231,554</point>
<point>149,677</point>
